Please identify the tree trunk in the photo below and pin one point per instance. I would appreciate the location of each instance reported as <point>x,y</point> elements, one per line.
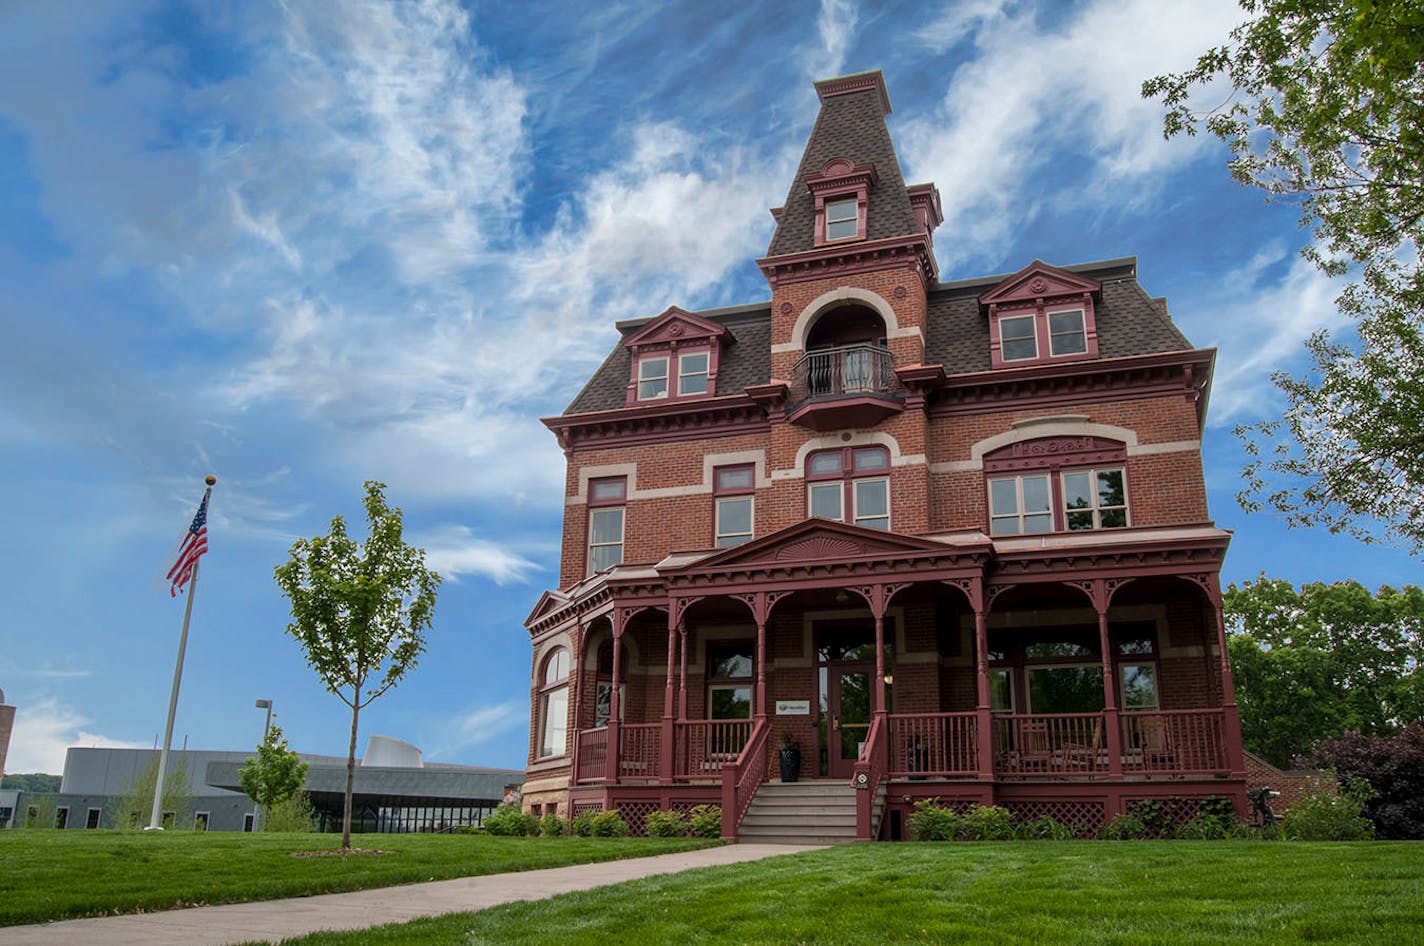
<point>350,776</point>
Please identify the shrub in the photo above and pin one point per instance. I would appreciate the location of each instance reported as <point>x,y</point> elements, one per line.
<point>933,822</point>
<point>291,814</point>
<point>706,821</point>
<point>1203,828</point>
<point>467,829</point>
<point>1394,767</point>
<point>609,824</point>
<point>1125,827</point>
<point>668,824</point>
<point>1043,828</point>
<point>986,823</point>
<point>552,826</point>
<point>509,821</point>
<point>1321,816</point>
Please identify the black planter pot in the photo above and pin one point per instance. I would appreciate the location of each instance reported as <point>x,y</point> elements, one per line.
<point>790,760</point>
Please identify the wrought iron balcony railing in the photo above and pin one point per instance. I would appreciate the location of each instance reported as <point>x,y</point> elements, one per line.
<point>846,370</point>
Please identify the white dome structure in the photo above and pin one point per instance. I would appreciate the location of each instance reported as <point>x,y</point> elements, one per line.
<point>390,752</point>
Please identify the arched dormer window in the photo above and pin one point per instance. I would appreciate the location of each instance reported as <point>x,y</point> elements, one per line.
<point>842,200</point>
<point>554,704</point>
<point>1057,484</point>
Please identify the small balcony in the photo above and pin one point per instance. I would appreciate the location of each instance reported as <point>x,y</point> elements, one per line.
<point>845,386</point>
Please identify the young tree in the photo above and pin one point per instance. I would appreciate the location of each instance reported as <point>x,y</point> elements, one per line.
<point>359,612</point>
<point>1326,108</point>
<point>1321,660</point>
<point>274,775</point>
<point>131,810</point>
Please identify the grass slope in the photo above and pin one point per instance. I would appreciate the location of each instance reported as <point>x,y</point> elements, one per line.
<point>50,875</point>
<point>1147,893</point>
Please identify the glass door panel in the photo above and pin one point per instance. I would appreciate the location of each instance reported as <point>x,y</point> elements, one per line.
<point>850,704</point>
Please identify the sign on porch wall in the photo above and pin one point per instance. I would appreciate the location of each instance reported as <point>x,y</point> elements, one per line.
<point>793,707</point>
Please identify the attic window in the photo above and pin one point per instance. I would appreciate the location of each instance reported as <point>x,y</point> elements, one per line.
<point>842,220</point>
<point>674,357</point>
<point>1041,315</point>
<point>652,378</point>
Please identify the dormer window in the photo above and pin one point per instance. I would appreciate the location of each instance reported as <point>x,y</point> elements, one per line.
<point>842,220</point>
<point>674,357</point>
<point>1042,314</point>
<point>652,378</point>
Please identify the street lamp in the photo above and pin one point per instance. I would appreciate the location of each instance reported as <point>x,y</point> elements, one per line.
<point>266,727</point>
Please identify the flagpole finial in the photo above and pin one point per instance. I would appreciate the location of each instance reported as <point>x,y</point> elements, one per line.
<point>210,479</point>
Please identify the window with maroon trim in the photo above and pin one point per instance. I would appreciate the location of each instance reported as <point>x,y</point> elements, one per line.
<point>670,375</point>
<point>842,194</point>
<point>606,499</point>
<point>1057,484</point>
<point>554,703</point>
<point>729,679</point>
<point>733,490</point>
<point>1059,669</point>
<point>1043,334</point>
<point>850,484</point>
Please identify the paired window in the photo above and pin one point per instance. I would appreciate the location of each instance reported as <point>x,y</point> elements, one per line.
<point>729,679</point>
<point>606,499</point>
<point>554,704</point>
<point>851,484</point>
<point>1034,336</point>
<point>1044,502</point>
<point>657,378</point>
<point>733,489</point>
<point>1062,669</point>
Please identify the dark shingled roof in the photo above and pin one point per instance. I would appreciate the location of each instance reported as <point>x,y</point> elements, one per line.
<point>1129,323</point>
<point>849,126</point>
<point>745,361</point>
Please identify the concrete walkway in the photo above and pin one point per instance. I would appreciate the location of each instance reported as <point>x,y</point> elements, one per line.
<point>273,920</point>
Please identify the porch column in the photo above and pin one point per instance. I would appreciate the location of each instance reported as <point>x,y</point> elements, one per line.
<point>761,666</point>
<point>1111,724</point>
<point>614,710</point>
<point>682,674</point>
<point>880,662</point>
<point>983,709</point>
<point>1231,715</point>
<point>666,744</point>
<point>576,695</point>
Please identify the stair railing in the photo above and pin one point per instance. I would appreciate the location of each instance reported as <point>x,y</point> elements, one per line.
<point>869,774</point>
<point>742,778</point>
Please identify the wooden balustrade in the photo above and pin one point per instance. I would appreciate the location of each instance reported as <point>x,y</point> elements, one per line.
<point>741,777</point>
<point>704,746</point>
<point>1174,741</point>
<point>871,770</point>
<point>591,763</point>
<point>638,749</point>
<point>933,744</point>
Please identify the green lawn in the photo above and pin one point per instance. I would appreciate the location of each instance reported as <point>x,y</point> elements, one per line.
<point>1140,893</point>
<point>49,875</point>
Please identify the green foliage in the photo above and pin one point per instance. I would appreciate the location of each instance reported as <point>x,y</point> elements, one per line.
<point>1394,768</point>
<point>1043,828</point>
<point>1125,827</point>
<point>552,826</point>
<point>291,815</point>
<point>39,813</point>
<point>359,611</point>
<point>274,775</point>
<point>36,782</point>
<point>706,821</point>
<point>600,824</point>
<point>511,821</point>
<point>1328,111</point>
<point>132,809</point>
<point>668,824</point>
<point>931,821</point>
<point>1318,661</point>
<point>1323,816</point>
<point>986,823</point>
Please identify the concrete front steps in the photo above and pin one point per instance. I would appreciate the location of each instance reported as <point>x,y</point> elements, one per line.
<point>816,812</point>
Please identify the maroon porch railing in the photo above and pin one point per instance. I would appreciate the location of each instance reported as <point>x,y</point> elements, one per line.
<point>1174,741</point>
<point>638,745</point>
<point>704,746</point>
<point>741,778</point>
<point>870,771</point>
<point>1050,745</point>
<point>591,762</point>
<point>933,744</point>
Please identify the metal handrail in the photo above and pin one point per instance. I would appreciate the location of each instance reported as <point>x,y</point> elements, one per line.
<point>846,369</point>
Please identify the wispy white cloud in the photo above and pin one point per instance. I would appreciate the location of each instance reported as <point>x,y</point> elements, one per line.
<point>455,551</point>
<point>835,28</point>
<point>480,725</point>
<point>1040,96</point>
<point>45,729</point>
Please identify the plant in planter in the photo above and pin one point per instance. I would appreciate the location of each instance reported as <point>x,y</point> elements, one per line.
<point>789,755</point>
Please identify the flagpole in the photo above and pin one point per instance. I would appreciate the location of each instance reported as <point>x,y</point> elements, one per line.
<point>155,822</point>
<point>155,819</point>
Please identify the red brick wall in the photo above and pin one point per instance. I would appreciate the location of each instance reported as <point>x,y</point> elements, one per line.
<point>1293,785</point>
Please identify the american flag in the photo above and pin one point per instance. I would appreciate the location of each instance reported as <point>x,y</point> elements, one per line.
<point>192,545</point>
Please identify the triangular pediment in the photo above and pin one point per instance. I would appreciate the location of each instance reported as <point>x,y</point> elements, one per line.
<point>548,602</point>
<point>1038,280</point>
<point>817,540</point>
<point>675,325</point>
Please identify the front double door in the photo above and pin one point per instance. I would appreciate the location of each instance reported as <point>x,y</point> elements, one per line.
<point>848,699</point>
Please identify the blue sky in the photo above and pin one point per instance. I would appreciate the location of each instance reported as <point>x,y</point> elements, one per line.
<point>305,244</point>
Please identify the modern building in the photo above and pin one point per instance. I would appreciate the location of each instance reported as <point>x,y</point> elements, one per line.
<point>395,790</point>
<point>949,538</point>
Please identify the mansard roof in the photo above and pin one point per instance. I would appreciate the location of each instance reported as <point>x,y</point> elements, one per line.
<point>851,125</point>
<point>1129,322</point>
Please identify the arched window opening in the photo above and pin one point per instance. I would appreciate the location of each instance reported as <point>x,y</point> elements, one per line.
<point>554,704</point>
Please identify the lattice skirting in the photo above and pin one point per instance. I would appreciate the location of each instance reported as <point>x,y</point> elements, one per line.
<point>1085,816</point>
<point>1174,810</point>
<point>636,814</point>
